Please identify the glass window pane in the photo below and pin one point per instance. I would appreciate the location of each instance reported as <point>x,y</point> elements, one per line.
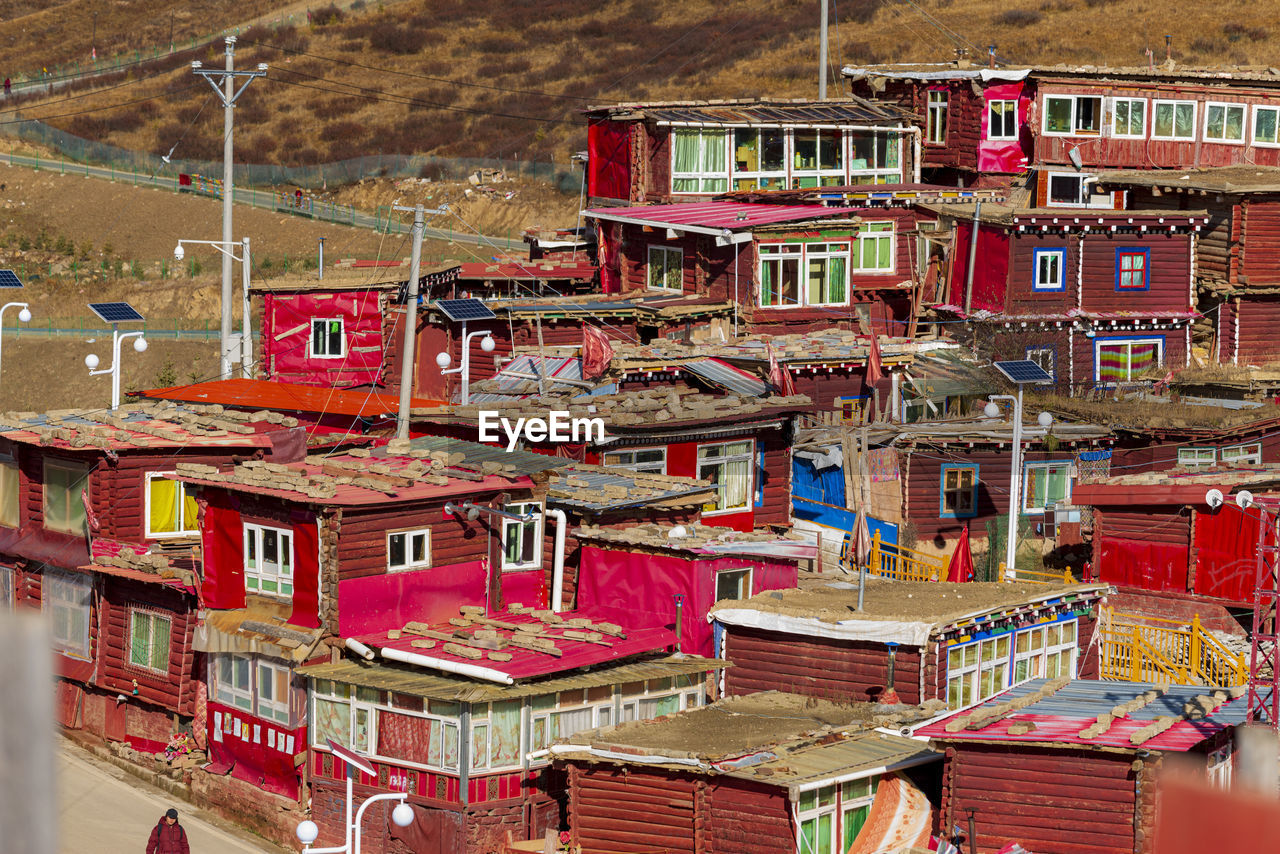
<point>1058,115</point>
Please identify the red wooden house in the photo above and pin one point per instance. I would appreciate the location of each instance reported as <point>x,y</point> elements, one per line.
<point>663,152</point>
<point>934,640</point>
<point>96,537</point>
<point>1074,767</point>
<point>1096,299</point>
<point>769,773</point>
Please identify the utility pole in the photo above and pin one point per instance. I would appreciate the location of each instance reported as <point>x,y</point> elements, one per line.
<point>822,54</point>
<point>411,316</point>
<point>228,94</point>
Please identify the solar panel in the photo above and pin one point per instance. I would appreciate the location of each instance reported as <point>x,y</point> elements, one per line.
<point>9,279</point>
<point>1023,371</point>
<point>115,312</point>
<point>464,309</point>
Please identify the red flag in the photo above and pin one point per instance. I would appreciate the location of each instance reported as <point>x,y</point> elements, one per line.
<point>874,372</point>
<point>779,377</point>
<point>960,567</point>
<point>597,352</point>
<point>88,511</point>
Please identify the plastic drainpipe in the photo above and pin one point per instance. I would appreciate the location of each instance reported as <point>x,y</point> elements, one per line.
<point>557,564</point>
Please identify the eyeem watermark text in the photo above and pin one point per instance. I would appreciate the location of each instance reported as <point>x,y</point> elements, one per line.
<point>557,427</point>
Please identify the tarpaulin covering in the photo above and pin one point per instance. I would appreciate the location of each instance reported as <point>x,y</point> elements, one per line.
<point>1226,553</point>
<point>899,819</point>
<point>609,236</point>
<point>1145,564</point>
<point>1006,155</point>
<point>287,337</point>
<point>258,751</point>
<point>645,586</point>
<point>377,602</point>
<point>609,159</point>
<point>992,267</point>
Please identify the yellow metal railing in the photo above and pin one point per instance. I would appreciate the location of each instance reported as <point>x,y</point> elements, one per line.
<point>903,564</point>
<point>1037,576</point>
<point>1135,648</point>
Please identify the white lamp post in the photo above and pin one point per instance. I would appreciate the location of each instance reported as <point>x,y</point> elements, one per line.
<point>402,815</point>
<point>246,337</point>
<point>91,361</point>
<point>487,344</point>
<point>24,315</point>
<point>1015,480</point>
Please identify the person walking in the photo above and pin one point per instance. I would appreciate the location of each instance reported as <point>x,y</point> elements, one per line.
<point>168,837</point>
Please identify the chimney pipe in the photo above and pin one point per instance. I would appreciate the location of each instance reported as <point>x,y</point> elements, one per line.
<point>1168,47</point>
<point>991,56</point>
<point>679,622</point>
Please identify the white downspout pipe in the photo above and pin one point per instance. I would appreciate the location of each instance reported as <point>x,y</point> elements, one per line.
<point>461,668</point>
<point>359,649</point>
<point>557,561</point>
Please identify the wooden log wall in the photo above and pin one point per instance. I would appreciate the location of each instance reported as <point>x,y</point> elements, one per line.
<point>749,818</point>
<point>362,544</point>
<point>631,810</point>
<point>175,689</point>
<point>1260,254</point>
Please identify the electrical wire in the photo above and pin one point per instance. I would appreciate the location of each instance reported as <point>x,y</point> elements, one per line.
<point>99,109</point>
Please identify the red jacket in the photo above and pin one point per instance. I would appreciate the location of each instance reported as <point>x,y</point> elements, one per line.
<point>168,839</point>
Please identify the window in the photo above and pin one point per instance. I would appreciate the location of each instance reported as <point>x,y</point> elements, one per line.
<point>831,817</point>
<point>760,159</point>
<point>9,480</point>
<point>1045,652</point>
<point>666,268</point>
<point>959,491</point>
<point>149,640</point>
<point>1066,188</point>
<point>268,560</point>
<point>1002,120</point>
<point>1067,115</point>
<point>780,274</point>
<point>817,158</point>
<point>1173,120</point>
<point>1128,118</point>
<point>1242,455</point>
<point>7,595</point>
<point>699,161</point>
<point>1266,126</point>
<point>733,584</point>
<point>327,340</point>
<point>171,512</point>
<point>232,680</point>
<point>521,538</point>
<point>826,274</point>
<point>728,466</point>
<point>1196,458</point>
<point>1125,359</point>
<point>962,676</point>
<point>640,460</point>
<point>408,549</point>
<point>1045,357</point>
<point>67,599</point>
<point>1044,485</point>
<point>1224,123</point>
<point>1050,267</point>
<point>936,125</point>
<point>1132,269</point>
<point>64,482</point>
<point>1218,767</point>
<point>873,248</point>
<point>273,692</point>
<point>873,158</point>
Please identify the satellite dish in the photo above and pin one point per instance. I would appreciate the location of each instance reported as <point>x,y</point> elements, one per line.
<point>1213,498</point>
<point>1244,499</point>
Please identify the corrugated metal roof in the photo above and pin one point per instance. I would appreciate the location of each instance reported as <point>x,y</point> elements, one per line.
<point>287,397</point>
<point>640,489</point>
<point>386,676</point>
<point>527,270</point>
<point>773,112</point>
<point>734,216</point>
<point>727,376</point>
<point>513,381</point>
<point>476,455</point>
<point>803,768</point>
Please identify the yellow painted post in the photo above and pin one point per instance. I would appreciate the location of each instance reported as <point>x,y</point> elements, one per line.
<point>1135,668</point>
<point>874,563</point>
<point>1195,648</point>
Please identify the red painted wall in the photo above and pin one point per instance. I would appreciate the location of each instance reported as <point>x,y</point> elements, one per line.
<point>991,270</point>
<point>247,745</point>
<point>286,337</point>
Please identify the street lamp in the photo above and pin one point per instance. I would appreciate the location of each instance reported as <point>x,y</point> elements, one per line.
<point>487,344</point>
<point>24,315</point>
<point>246,338</point>
<point>1045,420</point>
<point>402,815</point>
<point>91,361</point>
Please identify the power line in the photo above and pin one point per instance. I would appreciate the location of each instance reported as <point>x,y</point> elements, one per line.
<point>92,92</point>
<point>99,109</point>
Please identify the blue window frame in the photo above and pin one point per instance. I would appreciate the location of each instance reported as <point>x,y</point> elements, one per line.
<point>1050,273</point>
<point>958,491</point>
<point>1133,268</point>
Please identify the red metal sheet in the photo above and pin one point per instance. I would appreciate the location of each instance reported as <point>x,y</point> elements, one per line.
<point>731,215</point>
<point>286,397</point>
<point>1058,729</point>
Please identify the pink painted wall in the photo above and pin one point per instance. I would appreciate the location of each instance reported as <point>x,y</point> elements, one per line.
<point>286,337</point>
<point>1006,155</point>
<point>375,603</point>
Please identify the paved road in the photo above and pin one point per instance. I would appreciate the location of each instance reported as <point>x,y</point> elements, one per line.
<point>103,810</point>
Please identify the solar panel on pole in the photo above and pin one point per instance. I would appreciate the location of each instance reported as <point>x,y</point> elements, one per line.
<point>1023,371</point>
<point>9,279</point>
<point>116,312</point>
<point>465,309</point>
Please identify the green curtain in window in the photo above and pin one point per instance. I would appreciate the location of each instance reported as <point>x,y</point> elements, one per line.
<point>837,275</point>
<point>853,822</point>
<point>769,283</point>
<point>139,640</point>
<point>685,144</point>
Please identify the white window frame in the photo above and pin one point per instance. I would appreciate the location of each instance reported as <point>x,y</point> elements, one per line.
<point>534,525</point>
<point>761,178</point>
<point>666,253</point>
<point>182,498</point>
<point>277,708</point>
<point>873,232</point>
<point>1037,658</point>
<point>1057,284</point>
<point>1155,107</point>
<point>1218,766</point>
<point>937,103</point>
<point>1225,106</point>
<point>409,535</point>
<point>73,493</point>
<point>1050,365</point>
<point>802,254</point>
<point>876,172</point>
<point>1247,453</point>
<point>256,576</point>
<point>1123,342</point>
<point>837,801</point>
<point>1112,112</point>
<point>228,691</point>
<point>53,582</point>
<point>357,701</point>
<point>342,336</point>
<point>1253,127</point>
<point>727,457</point>
<point>963,673</point>
<point>1075,115</point>
<point>744,585</point>
<point>152,618</point>
<point>726,140</point>
<point>823,177</point>
<point>627,460</point>
<point>1083,196</point>
<point>1005,103</point>
<point>1195,457</point>
<point>1047,465</point>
